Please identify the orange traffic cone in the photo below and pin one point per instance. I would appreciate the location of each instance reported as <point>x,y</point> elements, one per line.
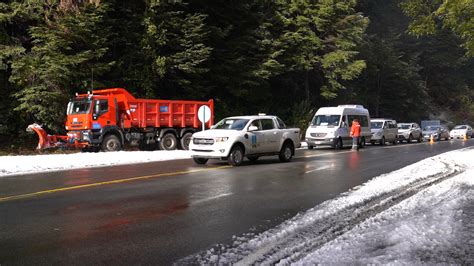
<point>431,139</point>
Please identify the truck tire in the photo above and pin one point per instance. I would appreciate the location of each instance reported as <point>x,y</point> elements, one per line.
<point>168,142</point>
<point>111,143</point>
<point>200,160</point>
<point>236,156</point>
<point>286,152</point>
<point>185,140</point>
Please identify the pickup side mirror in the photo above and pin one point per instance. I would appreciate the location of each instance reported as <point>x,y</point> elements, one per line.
<point>252,128</point>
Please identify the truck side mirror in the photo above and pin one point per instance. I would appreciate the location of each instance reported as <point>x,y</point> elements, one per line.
<point>252,128</point>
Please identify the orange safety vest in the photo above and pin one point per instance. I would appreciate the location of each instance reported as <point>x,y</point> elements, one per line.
<point>355,129</point>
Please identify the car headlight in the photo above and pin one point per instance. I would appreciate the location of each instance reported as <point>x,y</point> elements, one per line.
<point>221,139</point>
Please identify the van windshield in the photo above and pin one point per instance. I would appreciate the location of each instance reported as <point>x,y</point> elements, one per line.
<point>326,120</point>
<point>376,125</point>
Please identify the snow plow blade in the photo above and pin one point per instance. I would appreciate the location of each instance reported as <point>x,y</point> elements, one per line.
<point>46,141</point>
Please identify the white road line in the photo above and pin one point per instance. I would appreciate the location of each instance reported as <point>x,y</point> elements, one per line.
<point>210,198</point>
<point>319,168</point>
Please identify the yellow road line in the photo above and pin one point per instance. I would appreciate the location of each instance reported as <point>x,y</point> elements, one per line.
<point>44,192</point>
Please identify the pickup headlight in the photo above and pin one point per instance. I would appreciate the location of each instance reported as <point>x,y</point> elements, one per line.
<point>221,139</point>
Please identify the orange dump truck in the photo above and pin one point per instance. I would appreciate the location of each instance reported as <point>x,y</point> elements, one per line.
<point>110,118</point>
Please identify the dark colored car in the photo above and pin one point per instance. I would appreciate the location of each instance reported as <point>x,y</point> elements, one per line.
<point>438,133</point>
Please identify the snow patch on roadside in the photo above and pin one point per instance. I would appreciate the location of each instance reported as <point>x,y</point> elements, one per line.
<point>18,165</point>
<point>413,231</point>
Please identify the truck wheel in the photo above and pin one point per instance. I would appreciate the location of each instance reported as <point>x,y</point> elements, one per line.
<point>286,152</point>
<point>200,160</point>
<point>111,143</point>
<point>236,156</point>
<point>168,142</point>
<point>185,140</point>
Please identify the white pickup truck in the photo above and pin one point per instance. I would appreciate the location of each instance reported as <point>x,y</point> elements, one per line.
<point>234,138</point>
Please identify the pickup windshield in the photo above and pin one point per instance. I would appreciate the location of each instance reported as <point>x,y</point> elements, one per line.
<point>231,123</point>
<point>326,120</point>
<point>79,107</point>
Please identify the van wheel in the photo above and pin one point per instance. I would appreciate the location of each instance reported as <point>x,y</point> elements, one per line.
<point>185,140</point>
<point>236,156</point>
<point>362,143</point>
<point>382,141</point>
<point>168,142</point>
<point>286,152</point>
<point>200,160</point>
<point>111,143</point>
<point>338,145</point>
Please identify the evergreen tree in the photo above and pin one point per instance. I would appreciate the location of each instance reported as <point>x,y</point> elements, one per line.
<point>65,50</point>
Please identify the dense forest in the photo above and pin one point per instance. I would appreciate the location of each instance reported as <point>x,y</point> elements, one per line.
<point>404,59</point>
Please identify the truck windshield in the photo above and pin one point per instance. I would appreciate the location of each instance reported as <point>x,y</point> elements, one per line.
<point>376,125</point>
<point>79,107</point>
<point>326,120</point>
<point>232,123</point>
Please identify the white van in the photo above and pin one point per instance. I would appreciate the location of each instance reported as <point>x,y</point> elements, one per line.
<point>330,126</point>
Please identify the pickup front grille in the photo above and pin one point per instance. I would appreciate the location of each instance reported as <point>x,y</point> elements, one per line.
<point>202,141</point>
<point>318,135</point>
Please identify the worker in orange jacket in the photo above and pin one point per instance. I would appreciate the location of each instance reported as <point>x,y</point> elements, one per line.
<point>355,134</point>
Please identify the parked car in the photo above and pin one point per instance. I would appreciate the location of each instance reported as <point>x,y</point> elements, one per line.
<point>330,126</point>
<point>438,133</point>
<point>409,131</point>
<point>460,131</point>
<point>234,138</point>
<point>383,130</point>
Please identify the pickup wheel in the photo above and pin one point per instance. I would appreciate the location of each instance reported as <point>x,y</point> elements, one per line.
<point>185,140</point>
<point>200,160</point>
<point>111,143</point>
<point>286,152</point>
<point>252,158</point>
<point>236,156</point>
<point>168,142</point>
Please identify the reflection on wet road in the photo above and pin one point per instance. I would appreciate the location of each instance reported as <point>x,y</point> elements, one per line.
<point>156,213</point>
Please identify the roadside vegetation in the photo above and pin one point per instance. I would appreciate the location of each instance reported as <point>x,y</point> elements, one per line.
<point>407,59</point>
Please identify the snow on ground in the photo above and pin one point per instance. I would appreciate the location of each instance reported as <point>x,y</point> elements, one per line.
<point>15,165</point>
<point>420,214</point>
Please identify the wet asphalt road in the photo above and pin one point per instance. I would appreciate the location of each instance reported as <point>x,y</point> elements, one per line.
<point>157,213</point>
